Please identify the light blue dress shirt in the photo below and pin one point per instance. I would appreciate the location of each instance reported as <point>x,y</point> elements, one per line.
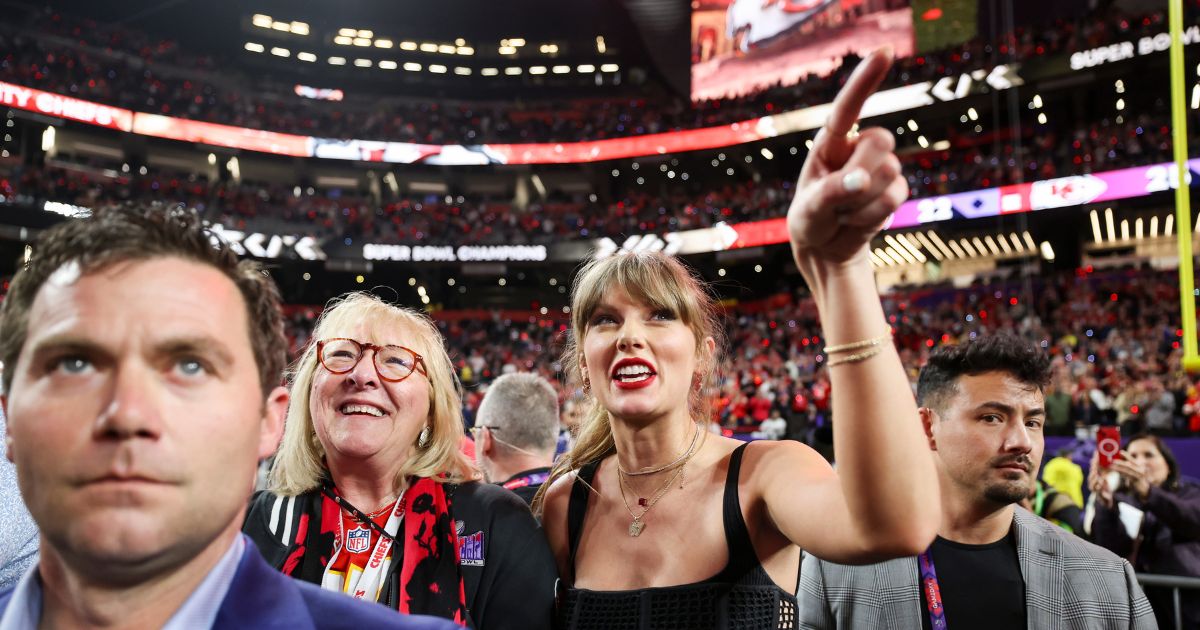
<point>18,532</point>
<point>198,611</point>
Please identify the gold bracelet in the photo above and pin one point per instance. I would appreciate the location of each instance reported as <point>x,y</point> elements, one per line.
<point>866,343</point>
<point>854,358</point>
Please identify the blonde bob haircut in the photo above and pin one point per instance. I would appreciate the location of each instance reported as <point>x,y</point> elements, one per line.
<point>658,281</point>
<point>300,462</point>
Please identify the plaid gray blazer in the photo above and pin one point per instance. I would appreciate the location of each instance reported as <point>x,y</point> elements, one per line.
<point>1069,584</point>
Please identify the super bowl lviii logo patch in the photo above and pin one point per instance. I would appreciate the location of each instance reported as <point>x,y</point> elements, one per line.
<point>470,550</point>
<point>358,540</point>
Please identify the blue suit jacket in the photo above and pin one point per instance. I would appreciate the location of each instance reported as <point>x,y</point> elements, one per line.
<point>261,597</point>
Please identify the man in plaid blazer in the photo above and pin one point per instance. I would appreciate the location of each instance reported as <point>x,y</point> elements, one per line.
<point>993,564</point>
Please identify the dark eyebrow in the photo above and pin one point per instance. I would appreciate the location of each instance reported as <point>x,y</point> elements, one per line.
<point>65,343</point>
<point>199,344</point>
<point>1007,409</point>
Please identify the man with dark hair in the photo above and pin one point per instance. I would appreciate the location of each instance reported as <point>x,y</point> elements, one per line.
<point>141,385</point>
<point>993,564</point>
<point>516,432</point>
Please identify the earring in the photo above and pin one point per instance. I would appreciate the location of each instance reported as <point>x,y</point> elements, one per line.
<point>424,437</point>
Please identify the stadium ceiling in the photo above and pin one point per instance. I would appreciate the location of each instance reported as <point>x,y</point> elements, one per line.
<point>649,34</point>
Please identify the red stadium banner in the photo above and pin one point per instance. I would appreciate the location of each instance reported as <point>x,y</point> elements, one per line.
<point>220,135</point>
<point>60,106</point>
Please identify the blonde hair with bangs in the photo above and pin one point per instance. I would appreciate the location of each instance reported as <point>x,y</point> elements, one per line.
<point>658,281</point>
<point>300,462</point>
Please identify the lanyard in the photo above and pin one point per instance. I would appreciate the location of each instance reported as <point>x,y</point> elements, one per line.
<point>933,593</point>
<point>367,582</point>
<point>527,480</point>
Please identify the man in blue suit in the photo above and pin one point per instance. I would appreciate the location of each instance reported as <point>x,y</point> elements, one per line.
<point>141,389</point>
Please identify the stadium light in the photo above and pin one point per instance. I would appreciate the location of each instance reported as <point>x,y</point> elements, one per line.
<point>1196,96</point>
<point>1037,101</point>
<point>1154,226</point>
<point>412,67</point>
<point>281,52</point>
<point>362,63</point>
<point>1096,238</point>
<point>507,50</point>
<point>337,61</point>
<point>1108,219</point>
<point>1169,225</point>
<point>437,68</point>
<point>972,114</point>
<point>447,49</point>
<point>1028,239</point>
<point>516,41</point>
<point>967,246</point>
<point>585,68</point>
<point>347,32</point>
<point>913,249</point>
<point>924,240</point>
<point>548,49</point>
<point>1042,118</point>
<point>897,256</point>
<point>979,246</point>
<point>462,71</point>
<point>299,28</point>
<point>958,250</point>
<point>921,140</point>
<point>512,71</point>
<point>1003,243</point>
<point>1124,229</point>
<point>1137,229</point>
<point>1017,244</point>
<point>48,138</point>
<point>408,45</point>
<point>306,56</point>
<point>601,47</point>
<point>366,33</point>
<point>253,47</point>
<point>912,124</point>
<point>537,70</point>
<point>362,41</point>
<point>991,245</point>
<point>428,47</point>
<point>262,21</point>
<point>767,153</point>
<point>465,50</point>
<point>609,67</point>
<point>282,26</point>
<point>387,64</point>
<point>489,72</point>
<point>343,40</point>
<point>383,43</point>
<point>561,69</point>
<point>937,240</point>
<point>1047,251</point>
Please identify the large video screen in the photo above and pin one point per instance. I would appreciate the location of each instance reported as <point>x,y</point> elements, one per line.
<point>744,46</point>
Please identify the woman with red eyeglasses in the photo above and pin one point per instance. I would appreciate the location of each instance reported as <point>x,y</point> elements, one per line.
<point>370,494</point>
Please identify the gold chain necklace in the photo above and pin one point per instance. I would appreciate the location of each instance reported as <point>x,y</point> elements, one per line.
<point>637,525</point>
<point>683,457</point>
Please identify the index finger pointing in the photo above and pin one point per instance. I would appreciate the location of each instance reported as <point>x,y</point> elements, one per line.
<point>862,83</point>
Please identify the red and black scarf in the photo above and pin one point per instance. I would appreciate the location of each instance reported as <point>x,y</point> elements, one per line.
<point>429,580</point>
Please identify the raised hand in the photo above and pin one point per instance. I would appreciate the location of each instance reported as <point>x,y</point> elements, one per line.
<point>850,184</point>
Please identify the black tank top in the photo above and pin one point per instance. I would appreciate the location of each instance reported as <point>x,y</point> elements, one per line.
<point>741,596</point>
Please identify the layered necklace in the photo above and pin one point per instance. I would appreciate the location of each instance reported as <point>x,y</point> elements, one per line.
<point>638,524</point>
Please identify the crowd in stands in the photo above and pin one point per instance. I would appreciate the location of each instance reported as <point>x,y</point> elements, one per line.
<point>1113,337</point>
<point>119,66</point>
<point>661,205</point>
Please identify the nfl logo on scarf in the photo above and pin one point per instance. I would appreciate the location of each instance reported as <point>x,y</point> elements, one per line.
<point>358,539</point>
